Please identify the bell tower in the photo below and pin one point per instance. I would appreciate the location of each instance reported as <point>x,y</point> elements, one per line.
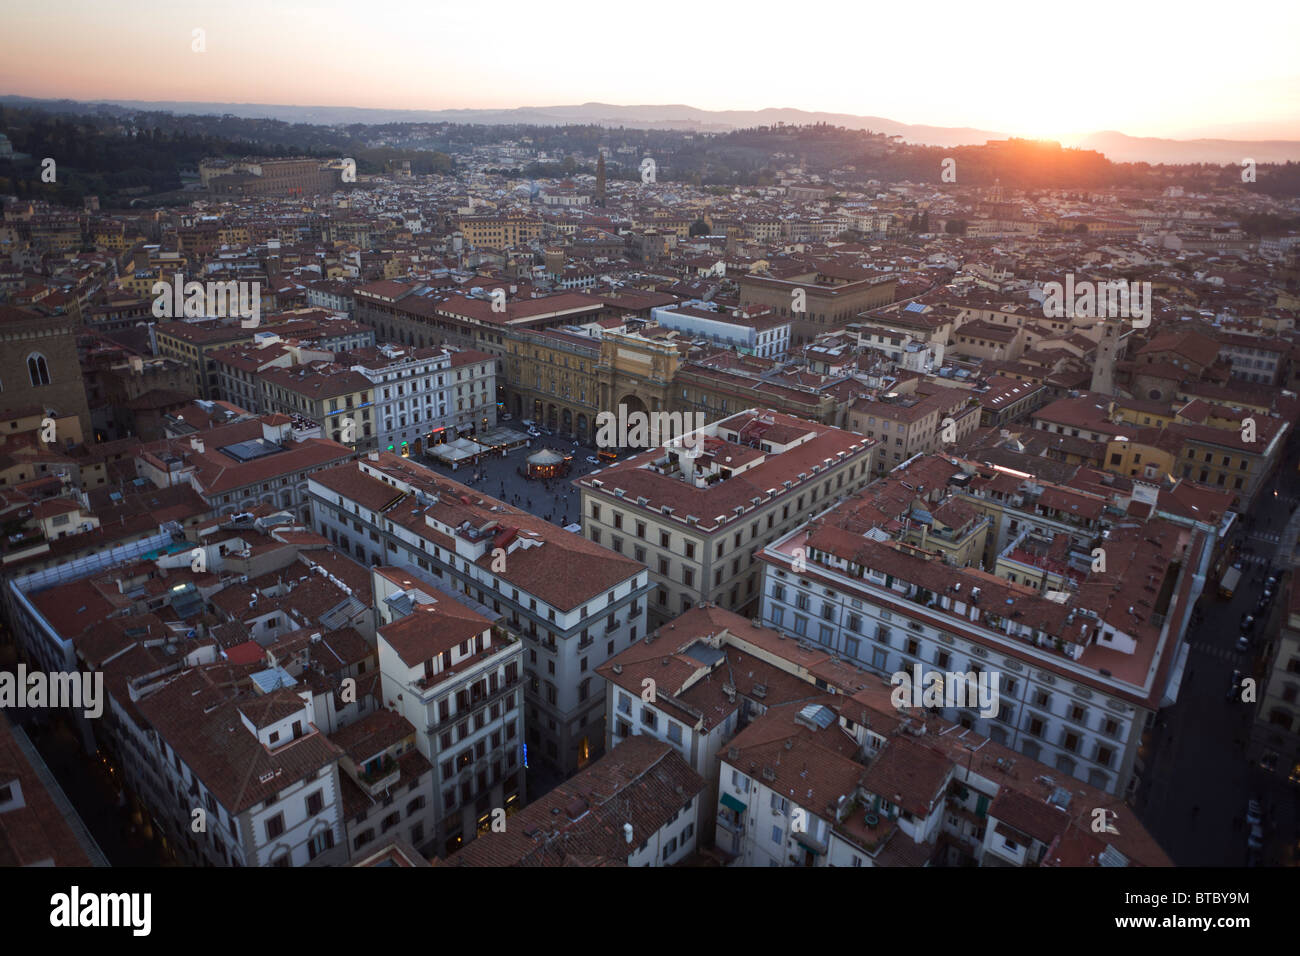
<point>1103,370</point>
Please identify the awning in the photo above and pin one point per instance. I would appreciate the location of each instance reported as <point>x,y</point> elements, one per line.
<point>808,844</point>
<point>731,803</point>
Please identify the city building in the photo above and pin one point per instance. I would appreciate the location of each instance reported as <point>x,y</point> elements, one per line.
<point>697,520</point>
<point>638,805</point>
<point>1275,732</point>
<point>455,673</point>
<point>39,365</point>
<point>1085,660</point>
<point>574,603</point>
<point>238,466</point>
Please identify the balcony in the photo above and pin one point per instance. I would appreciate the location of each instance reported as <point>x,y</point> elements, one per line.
<point>733,824</point>
<point>503,637</point>
<point>382,775</point>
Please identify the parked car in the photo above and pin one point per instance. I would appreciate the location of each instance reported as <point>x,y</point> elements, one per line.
<point>1271,583</point>
<point>593,460</point>
<point>1243,643</point>
<point>1247,623</point>
<point>1234,689</point>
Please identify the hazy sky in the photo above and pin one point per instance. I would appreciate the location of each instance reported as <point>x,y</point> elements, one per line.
<point>1031,68</point>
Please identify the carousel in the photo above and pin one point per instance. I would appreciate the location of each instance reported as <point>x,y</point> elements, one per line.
<point>548,463</point>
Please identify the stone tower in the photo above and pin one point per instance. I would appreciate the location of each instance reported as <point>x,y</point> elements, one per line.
<point>600,179</point>
<point>1103,370</point>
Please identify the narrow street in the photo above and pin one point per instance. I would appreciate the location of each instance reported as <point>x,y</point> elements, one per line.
<point>1198,779</point>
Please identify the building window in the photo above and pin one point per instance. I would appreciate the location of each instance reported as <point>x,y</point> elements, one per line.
<point>320,843</point>
<point>38,370</point>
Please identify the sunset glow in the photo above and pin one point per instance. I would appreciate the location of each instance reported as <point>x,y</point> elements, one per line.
<point>1045,71</point>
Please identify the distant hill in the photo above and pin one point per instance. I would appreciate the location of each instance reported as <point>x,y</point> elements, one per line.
<point>1122,148</point>
<point>1116,146</point>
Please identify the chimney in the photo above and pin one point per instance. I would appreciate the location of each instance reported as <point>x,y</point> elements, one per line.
<point>627,832</point>
<point>197,444</point>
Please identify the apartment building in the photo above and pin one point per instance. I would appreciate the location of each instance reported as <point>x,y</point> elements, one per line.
<point>891,330</point>
<point>1254,358</point>
<point>1082,668</point>
<point>1275,733</point>
<point>499,232</point>
<point>1211,444</point>
<point>575,604</point>
<point>387,784</point>
<point>755,331</point>
<point>239,370</point>
<point>846,779</point>
<point>192,344</point>
<point>331,294</point>
<point>1224,454</point>
<point>329,393</point>
<point>696,681</point>
<point>473,394</point>
<point>453,671</point>
<point>830,300</point>
<point>224,759</point>
<point>980,340</point>
<point>697,520</point>
<point>237,466</point>
<point>1007,399</point>
<point>200,345</point>
<point>924,421</point>
<point>409,385</point>
<point>638,805</point>
<point>265,776</point>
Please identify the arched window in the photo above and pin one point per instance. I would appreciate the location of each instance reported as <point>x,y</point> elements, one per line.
<point>37,369</point>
